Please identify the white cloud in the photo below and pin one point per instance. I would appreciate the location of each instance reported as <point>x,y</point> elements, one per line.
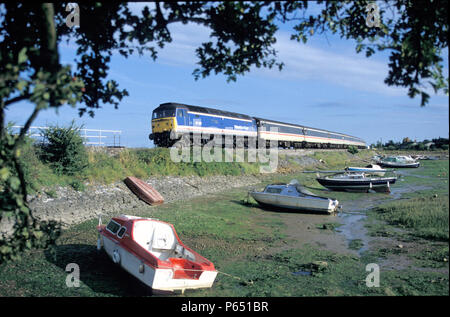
<point>302,62</point>
<point>185,39</point>
<point>305,62</point>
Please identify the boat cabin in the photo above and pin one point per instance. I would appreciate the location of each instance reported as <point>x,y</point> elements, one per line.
<point>155,236</point>
<point>287,190</point>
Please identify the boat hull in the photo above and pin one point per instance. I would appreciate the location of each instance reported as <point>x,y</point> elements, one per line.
<point>379,185</point>
<point>400,165</point>
<point>144,191</point>
<point>316,204</point>
<point>373,171</point>
<point>159,279</point>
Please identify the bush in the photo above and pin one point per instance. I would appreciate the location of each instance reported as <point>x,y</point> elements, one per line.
<point>352,149</point>
<point>78,185</point>
<point>420,147</point>
<point>63,149</point>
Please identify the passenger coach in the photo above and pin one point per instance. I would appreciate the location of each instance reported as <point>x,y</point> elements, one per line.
<point>298,136</point>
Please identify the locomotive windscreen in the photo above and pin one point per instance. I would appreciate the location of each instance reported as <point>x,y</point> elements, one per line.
<point>163,113</point>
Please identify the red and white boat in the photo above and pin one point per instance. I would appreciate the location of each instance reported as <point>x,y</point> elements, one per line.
<point>151,250</point>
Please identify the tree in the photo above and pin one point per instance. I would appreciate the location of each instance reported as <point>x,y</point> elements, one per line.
<point>242,36</point>
<point>414,32</point>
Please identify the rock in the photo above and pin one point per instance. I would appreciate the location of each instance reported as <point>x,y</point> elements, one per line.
<point>400,246</point>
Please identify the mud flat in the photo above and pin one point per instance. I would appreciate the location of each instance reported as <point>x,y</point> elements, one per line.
<point>269,253</point>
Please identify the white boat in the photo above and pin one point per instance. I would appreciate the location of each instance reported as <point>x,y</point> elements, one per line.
<point>293,196</point>
<point>399,161</point>
<point>369,169</point>
<point>151,251</point>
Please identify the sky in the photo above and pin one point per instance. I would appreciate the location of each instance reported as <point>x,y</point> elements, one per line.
<point>324,84</point>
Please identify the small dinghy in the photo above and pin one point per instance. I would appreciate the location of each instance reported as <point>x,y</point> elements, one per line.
<point>369,169</point>
<point>151,251</point>
<point>144,191</point>
<point>356,182</point>
<point>399,162</point>
<point>293,196</point>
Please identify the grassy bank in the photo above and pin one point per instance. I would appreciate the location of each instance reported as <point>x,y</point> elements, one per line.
<point>103,168</point>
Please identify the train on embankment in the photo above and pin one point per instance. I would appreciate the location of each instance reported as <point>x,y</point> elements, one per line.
<point>178,123</point>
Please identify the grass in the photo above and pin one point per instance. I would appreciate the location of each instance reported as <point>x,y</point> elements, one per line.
<point>243,241</point>
<point>424,213</point>
<point>356,244</point>
<point>331,226</point>
<point>420,219</point>
<point>142,163</point>
<point>425,217</point>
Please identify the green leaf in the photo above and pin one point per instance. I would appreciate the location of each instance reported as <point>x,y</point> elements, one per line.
<point>4,173</point>
<point>21,84</point>
<point>14,183</point>
<point>5,249</point>
<point>22,57</point>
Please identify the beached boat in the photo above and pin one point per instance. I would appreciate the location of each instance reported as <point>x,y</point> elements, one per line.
<point>369,169</point>
<point>152,252</point>
<point>356,182</point>
<point>399,162</point>
<point>293,196</point>
<point>144,191</point>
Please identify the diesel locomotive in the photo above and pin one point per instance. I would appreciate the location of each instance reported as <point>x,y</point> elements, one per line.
<point>178,123</point>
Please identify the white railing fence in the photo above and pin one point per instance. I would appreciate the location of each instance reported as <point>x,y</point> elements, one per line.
<point>94,137</point>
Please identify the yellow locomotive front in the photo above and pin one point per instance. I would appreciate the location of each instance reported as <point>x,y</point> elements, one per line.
<point>163,124</point>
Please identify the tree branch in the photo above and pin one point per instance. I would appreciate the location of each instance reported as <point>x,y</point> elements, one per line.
<point>21,174</point>
<point>25,128</point>
<point>49,46</point>
<point>16,99</point>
